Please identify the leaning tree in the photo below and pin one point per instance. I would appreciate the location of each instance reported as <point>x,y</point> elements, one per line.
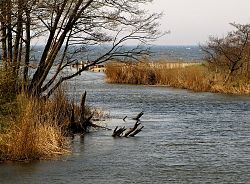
<point>67,28</point>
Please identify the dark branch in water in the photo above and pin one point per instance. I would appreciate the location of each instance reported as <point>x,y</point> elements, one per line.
<point>130,133</point>
<point>137,118</point>
<point>136,131</point>
<point>124,119</point>
<point>80,124</point>
<point>132,129</point>
<point>118,132</point>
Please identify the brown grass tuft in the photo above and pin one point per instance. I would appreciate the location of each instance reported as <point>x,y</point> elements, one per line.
<point>32,135</point>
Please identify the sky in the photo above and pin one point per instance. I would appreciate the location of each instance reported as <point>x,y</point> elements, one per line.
<point>191,22</point>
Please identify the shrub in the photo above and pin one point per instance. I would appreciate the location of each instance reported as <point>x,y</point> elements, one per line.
<point>7,97</point>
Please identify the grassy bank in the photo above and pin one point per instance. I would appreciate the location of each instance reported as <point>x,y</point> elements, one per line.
<point>35,128</point>
<point>194,77</point>
<point>31,134</point>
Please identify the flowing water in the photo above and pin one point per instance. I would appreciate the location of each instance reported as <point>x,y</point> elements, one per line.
<point>187,138</point>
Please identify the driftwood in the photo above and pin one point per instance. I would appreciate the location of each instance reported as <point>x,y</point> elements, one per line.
<point>98,126</point>
<point>119,132</point>
<point>131,132</point>
<point>82,107</point>
<point>81,124</point>
<point>137,118</point>
<point>132,129</point>
<point>124,119</point>
<point>136,131</point>
<point>86,123</point>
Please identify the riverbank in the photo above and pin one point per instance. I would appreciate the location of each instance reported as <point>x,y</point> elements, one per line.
<point>35,128</point>
<point>196,77</point>
<point>30,131</point>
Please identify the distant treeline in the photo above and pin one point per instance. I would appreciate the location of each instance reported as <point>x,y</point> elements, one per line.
<point>226,67</point>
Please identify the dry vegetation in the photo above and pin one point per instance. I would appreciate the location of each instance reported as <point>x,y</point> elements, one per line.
<point>35,128</point>
<point>227,67</point>
<point>33,131</point>
<point>194,77</point>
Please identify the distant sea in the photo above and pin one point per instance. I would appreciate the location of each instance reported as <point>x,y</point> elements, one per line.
<point>172,53</point>
<point>182,53</point>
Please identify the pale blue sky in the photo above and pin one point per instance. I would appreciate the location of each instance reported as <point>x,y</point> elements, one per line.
<point>192,21</point>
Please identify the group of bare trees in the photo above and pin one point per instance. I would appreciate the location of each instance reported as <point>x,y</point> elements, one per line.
<point>231,54</point>
<point>65,24</point>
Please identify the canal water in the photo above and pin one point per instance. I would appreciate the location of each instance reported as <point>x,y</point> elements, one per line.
<point>187,138</point>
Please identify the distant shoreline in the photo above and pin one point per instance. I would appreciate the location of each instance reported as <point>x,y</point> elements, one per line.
<point>194,77</point>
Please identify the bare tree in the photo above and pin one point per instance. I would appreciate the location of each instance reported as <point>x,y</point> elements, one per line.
<point>231,53</point>
<point>65,24</point>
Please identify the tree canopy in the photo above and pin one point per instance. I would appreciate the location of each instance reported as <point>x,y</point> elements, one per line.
<point>65,24</point>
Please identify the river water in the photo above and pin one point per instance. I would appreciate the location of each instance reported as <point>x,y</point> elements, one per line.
<point>187,138</point>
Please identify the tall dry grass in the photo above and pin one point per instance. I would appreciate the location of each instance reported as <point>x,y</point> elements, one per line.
<point>38,128</point>
<point>194,77</point>
<point>33,134</point>
<point>129,73</point>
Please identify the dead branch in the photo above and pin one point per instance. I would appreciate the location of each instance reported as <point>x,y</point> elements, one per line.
<point>124,119</point>
<point>137,118</point>
<point>98,126</point>
<point>131,132</point>
<point>136,131</point>
<point>118,132</point>
<point>82,106</point>
<point>132,129</point>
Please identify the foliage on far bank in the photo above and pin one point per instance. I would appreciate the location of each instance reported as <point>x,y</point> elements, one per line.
<point>227,68</point>
<point>230,55</point>
<point>194,77</point>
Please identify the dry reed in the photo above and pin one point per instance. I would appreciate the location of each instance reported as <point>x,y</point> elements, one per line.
<point>38,128</point>
<point>195,77</point>
<point>33,134</point>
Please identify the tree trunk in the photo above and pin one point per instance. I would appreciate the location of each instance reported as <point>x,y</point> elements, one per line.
<point>9,32</point>
<point>27,50</point>
<point>18,37</point>
<point>3,32</point>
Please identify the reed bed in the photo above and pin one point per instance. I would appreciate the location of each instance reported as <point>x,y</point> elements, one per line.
<point>39,128</point>
<point>196,77</point>
<point>33,133</point>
